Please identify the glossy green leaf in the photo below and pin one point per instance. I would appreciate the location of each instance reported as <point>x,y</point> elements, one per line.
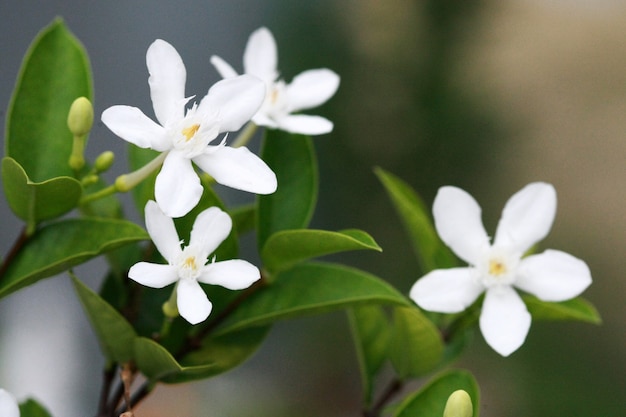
<point>55,71</point>
<point>34,202</point>
<point>285,248</point>
<point>416,345</point>
<point>31,408</point>
<point>292,158</point>
<point>222,353</point>
<point>371,332</point>
<point>244,218</point>
<point>157,364</point>
<point>431,399</point>
<point>577,309</point>
<point>115,334</point>
<point>430,250</point>
<point>58,246</point>
<point>311,288</point>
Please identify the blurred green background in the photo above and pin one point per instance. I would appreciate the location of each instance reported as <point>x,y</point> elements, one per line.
<point>484,95</point>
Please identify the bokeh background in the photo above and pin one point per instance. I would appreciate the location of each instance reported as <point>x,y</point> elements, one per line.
<point>486,95</point>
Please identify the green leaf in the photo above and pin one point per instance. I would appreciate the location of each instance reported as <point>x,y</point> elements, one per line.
<point>372,333</point>
<point>292,158</point>
<point>416,345</point>
<point>244,218</point>
<point>311,288</point>
<point>285,248</point>
<point>430,250</point>
<point>431,399</point>
<point>55,71</point>
<point>115,334</point>
<point>144,191</point>
<point>34,202</point>
<point>577,309</point>
<point>156,363</point>
<point>223,353</point>
<point>31,408</point>
<point>58,246</point>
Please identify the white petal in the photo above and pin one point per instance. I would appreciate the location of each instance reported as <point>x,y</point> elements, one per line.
<point>153,275</point>
<point>553,276</point>
<point>260,57</point>
<point>504,320</point>
<point>458,223</point>
<point>132,125</point>
<point>238,168</point>
<point>167,81</point>
<point>446,290</point>
<point>210,229</point>
<point>305,125</point>
<point>261,119</point>
<point>193,304</point>
<point>223,67</point>
<point>237,99</point>
<point>311,88</point>
<point>162,232</point>
<point>527,217</point>
<point>234,274</point>
<point>8,405</point>
<point>177,189</point>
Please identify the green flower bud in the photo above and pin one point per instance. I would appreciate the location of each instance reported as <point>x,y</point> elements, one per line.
<point>80,117</point>
<point>104,161</point>
<point>170,309</point>
<point>459,404</point>
<point>89,180</point>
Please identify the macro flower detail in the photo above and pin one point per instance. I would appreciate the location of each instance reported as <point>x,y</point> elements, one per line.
<point>188,135</point>
<point>8,405</point>
<point>307,90</point>
<point>189,266</point>
<point>496,268</point>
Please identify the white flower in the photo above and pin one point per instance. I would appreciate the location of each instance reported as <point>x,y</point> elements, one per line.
<point>307,90</point>
<point>189,265</point>
<point>496,268</point>
<point>186,135</point>
<point>8,405</point>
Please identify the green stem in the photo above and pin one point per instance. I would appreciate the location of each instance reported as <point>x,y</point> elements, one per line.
<point>245,135</point>
<point>126,182</point>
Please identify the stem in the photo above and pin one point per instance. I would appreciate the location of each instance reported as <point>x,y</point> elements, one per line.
<point>17,245</point>
<point>107,377</point>
<point>245,135</point>
<point>392,389</point>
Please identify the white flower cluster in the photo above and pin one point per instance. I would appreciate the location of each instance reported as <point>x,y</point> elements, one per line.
<point>187,134</point>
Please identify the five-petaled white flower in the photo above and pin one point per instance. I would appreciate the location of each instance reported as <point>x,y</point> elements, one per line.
<point>8,405</point>
<point>496,268</point>
<point>186,134</point>
<point>189,265</point>
<point>307,90</point>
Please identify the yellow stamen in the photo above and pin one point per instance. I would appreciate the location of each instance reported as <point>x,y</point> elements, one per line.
<point>190,131</point>
<point>496,267</point>
<point>190,263</point>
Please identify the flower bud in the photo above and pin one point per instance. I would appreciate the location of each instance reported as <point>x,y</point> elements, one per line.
<point>104,161</point>
<point>459,404</point>
<point>80,117</point>
<point>170,309</point>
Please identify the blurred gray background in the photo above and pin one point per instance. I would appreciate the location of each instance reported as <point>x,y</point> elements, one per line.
<point>485,95</point>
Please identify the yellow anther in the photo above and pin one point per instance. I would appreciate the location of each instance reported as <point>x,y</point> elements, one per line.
<point>190,131</point>
<point>497,267</point>
<point>190,263</point>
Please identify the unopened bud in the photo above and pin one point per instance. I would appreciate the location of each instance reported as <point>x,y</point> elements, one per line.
<point>89,180</point>
<point>80,117</point>
<point>459,404</point>
<point>170,309</point>
<point>104,161</point>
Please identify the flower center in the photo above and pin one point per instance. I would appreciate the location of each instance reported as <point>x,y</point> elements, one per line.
<point>189,264</point>
<point>497,268</point>
<point>190,131</point>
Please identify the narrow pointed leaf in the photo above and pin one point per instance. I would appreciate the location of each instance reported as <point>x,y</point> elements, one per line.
<point>54,73</point>
<point>311,288</point>
<point>285,248</point>
<point>431,399</point>
<point>58,246</point>
<point>220,354</point>
<point>416,345</point>
<point>371,332</point>
<point>157,364</point>
<point>292,158</point>
<point>430,250</point>
<point>34,202</point>
<point>115,334</point>
<point>31,408</point>
<point>577,309</point>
